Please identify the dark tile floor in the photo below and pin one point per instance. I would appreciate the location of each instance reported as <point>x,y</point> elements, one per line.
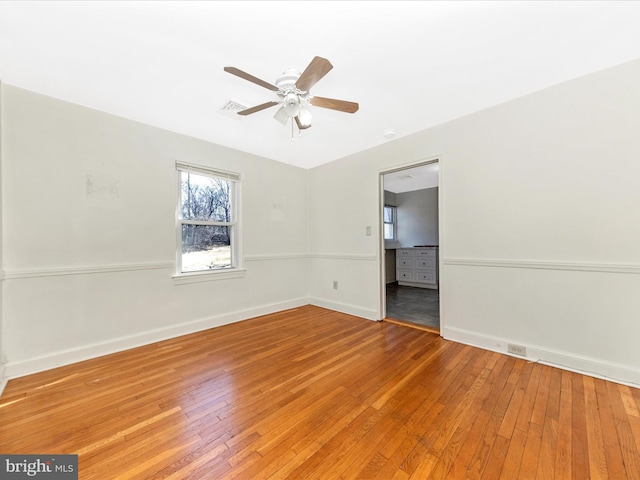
<point>415,305</point>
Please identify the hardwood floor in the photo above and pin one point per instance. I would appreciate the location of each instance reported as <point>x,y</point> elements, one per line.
<point>314,394</point>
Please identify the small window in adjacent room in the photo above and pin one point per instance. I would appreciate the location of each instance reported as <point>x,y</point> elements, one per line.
<point>207,223</point>
<point>389,222</point>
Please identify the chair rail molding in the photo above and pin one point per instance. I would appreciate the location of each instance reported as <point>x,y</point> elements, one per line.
<point>85,270</point>
<point>544,265</point>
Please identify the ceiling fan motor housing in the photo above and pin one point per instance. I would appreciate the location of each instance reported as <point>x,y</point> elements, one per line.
<point>288,80</point>
<point>293,98</point>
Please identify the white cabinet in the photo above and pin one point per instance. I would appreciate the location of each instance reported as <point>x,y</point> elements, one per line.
<point>417,267</point>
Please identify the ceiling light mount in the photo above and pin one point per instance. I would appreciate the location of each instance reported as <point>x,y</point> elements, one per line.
<point>287,80</point>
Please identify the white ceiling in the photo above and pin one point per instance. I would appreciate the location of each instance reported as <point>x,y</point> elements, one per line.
<point>410,179</point>
<point>410,65</point>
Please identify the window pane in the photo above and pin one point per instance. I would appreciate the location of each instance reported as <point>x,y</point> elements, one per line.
<point>388,214</point>
<point>205,247</point>
<point>205,198</point>
<point>388,231</point>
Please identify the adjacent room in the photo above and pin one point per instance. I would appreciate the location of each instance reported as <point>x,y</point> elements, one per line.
<point>298,240</point>
<point>411,246</point>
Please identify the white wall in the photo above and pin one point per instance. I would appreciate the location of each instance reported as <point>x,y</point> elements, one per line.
<point>3,379</point>
<point>343,202</point>
<point>87,273</point>
<point>418,217</point>
<point>539,229</point>
<point>390,198</point>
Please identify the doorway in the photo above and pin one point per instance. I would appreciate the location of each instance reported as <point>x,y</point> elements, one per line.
<point>410,277</point>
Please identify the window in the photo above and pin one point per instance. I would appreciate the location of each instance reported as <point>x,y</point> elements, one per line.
<point>389,222</point>
<point>207,220</point>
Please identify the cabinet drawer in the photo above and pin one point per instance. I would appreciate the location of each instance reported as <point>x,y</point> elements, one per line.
<point>404,253</point>
<point>426,277</point>
<point>405,263</point>
<point>425,263</point>
<point>405,276</point>
<point>430,253</point>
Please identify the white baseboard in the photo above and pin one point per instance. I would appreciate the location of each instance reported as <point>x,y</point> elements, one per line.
<point>3,379</point>
<point>66,357</point>
<point>575,363</point>
<point>367,313</point>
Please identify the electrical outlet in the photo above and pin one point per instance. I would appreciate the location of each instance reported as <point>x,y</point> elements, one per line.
<point>335,284</point>
<point>517,349</point>
<point>368,231</point>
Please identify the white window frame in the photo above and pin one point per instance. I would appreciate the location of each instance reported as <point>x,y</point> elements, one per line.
<point>236,269</point>
<point>393,223</point>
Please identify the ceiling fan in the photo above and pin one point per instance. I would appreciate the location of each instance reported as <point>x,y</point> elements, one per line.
<point>293,93</point>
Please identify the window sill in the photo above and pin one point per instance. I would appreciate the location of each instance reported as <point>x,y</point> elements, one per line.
<point>197,277</point>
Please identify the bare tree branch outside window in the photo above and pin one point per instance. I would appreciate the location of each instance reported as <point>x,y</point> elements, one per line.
<point>206,200</point>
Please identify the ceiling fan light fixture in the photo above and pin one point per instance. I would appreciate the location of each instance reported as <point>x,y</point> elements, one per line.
<point>281,116</point>
<point>292,104</point>
<point>305,117</point>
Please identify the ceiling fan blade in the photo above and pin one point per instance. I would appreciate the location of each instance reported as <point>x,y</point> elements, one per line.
<point>257,108</point>
<point>317,69</point>
<point>333,104</point>
<point>239,73</point>
<point>300,125</point>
